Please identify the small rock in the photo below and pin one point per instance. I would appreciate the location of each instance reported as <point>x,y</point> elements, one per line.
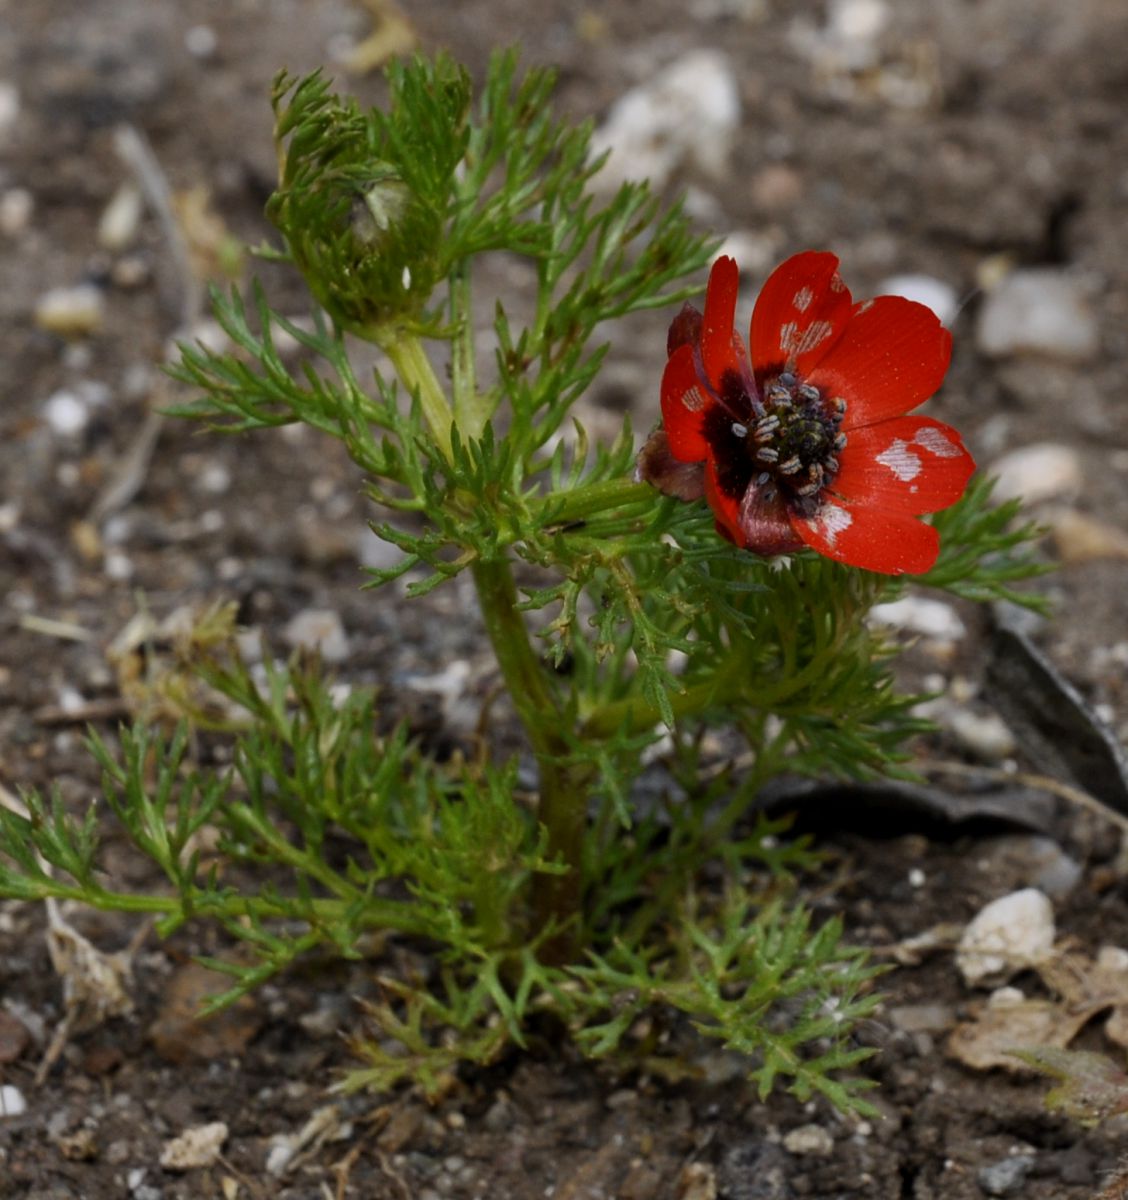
<point>198,1146</point>
<point>1006,1176</point>
<point>1080,538</point>
<point>1038,310</point>
<point>12,1102</point>
<point>1041,471</point>
<point>690,112</point>
<point>319,629</point>
<point>71,312</point>
<point>919,614</point>
<point>984,734</point>
<point>66,414</point>
<point>811,1140</point>
<point>201,41</point>
<point>1006,936</point>
<point>697,1182</point>
<point>9,107</point>
<point>120,219</point>
<point>922,1018</point>
<point>16,206</point>
<point>933,293</point>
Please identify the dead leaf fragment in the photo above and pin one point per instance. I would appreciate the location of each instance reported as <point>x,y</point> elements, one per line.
<point>198,1146</point>
<point>1008,1022</point>
<point>95,984</point>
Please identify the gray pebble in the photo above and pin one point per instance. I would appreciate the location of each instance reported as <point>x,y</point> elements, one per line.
<point>1006,1176</point>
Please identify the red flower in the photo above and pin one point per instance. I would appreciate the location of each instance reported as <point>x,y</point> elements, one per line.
<point>809,444</point>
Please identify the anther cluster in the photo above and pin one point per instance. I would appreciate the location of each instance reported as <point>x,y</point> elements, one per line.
<point>796,439</point>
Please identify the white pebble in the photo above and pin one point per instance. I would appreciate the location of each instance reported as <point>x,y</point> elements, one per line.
<point>1006,936</point>
<point>9,106</point>
<point>1038,310</point>
<point>319,629</point>
<point>16,206</point>
<point>811,1140</point>
<point>71,311</point>
<point>120,219</point>
<point>12,1102</point>
<point>65,412</point>
<point>201,41</point>
<point>920,614</point>
<point>689,112</point>
<point>986,735</point>
<point>198,1146</point>
<point>1042,471</point>
<point>935,294</point>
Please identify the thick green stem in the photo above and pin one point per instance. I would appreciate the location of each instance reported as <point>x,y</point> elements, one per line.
<point>414,369</point>
<point>563,788</point>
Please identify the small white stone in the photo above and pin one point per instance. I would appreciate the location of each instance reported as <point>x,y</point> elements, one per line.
<point>71,311</point>
<point>12,1102</point>
<point>9,106</point>
<point>121,219</point>
<point>1041,471</point>
<point>201,41</point>
<point>920,614</point>
<point>66,414</point>
<point>1006,936</point>
<point>319,629</point>
<point>1038,310</point>
<point>933,293</point>
<point>198,1146</point>
<point>811,1140</point>
<point>215,479</point>
<point>917,877</point>
<point>16,206</point>
<point>689,112</point>
<point>986,735</point>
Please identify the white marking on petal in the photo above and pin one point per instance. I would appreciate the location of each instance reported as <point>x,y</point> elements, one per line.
<point>864,307</point>
<point>901,461</point>
<point>694,399</point>
<point>831,521</point>
<point>793,341</point>
<point>936,443</point>
<point>802,299</point>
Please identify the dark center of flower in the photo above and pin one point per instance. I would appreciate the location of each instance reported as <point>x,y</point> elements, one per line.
<point>796,440</point>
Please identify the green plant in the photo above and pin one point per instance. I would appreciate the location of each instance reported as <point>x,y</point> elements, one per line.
<point>618,617</point>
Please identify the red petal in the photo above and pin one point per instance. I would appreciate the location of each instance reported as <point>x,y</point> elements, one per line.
<point>722,351</point>
<point>907,464</point>
<point>800,314</point>
<point>764,523</point>
<point>891,358</point>
<point>684,405</point>
<point>725,508</point>
<point>685,329</point>
<point>891,543</point>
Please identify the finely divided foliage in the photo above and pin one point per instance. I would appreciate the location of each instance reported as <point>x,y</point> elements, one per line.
<point>616,615</point>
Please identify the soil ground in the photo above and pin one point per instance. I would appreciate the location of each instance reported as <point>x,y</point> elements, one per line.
<point>975,129</point>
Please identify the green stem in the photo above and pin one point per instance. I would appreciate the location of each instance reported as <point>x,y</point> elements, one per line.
<point>414,369</point>
<point>562,809</point>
